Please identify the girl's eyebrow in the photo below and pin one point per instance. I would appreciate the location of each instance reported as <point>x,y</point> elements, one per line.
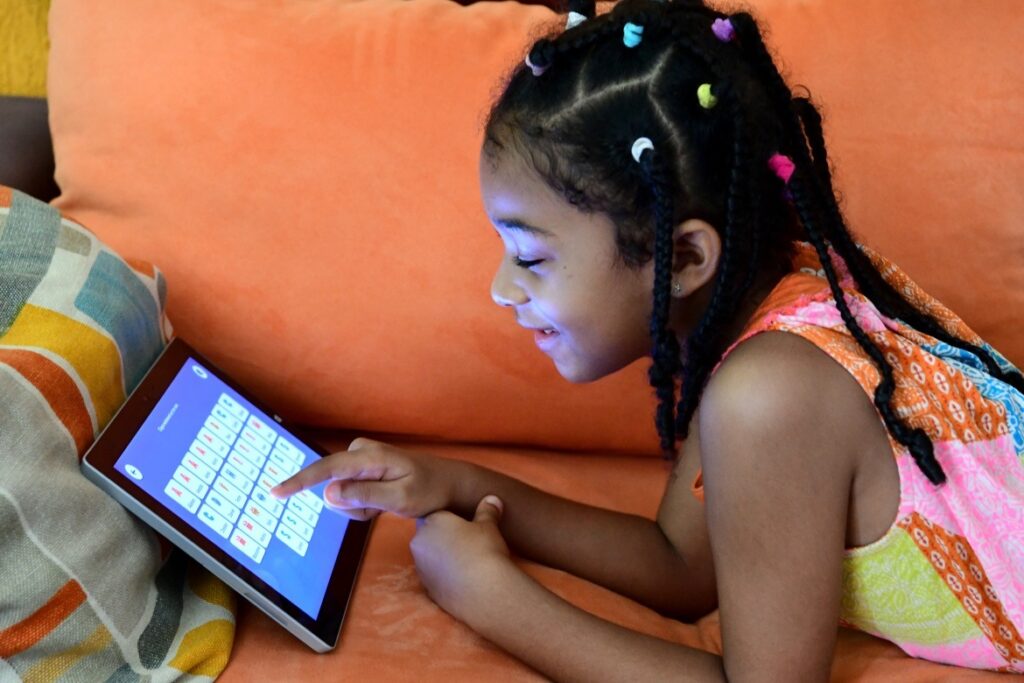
<point>522,226</point>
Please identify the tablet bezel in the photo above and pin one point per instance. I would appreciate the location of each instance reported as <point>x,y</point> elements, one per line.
<point>321,634</point>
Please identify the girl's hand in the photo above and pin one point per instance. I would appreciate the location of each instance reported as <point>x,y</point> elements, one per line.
<point>461,563</point>
<point>373,477</point>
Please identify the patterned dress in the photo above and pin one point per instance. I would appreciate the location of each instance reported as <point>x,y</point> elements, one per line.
<point>946,581</point>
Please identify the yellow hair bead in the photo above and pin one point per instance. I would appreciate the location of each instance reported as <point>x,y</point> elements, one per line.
<point>705,97</point>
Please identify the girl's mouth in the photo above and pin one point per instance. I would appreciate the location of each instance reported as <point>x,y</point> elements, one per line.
<point>545,338</point>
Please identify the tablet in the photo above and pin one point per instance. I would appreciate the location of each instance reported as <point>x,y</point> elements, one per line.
<point>194,456</point>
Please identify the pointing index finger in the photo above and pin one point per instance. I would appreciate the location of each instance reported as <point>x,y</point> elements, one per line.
<point>303,479</point>
<point>351,465</point>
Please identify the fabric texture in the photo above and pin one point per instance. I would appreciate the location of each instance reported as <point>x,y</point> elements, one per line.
<point>24,45</point>
<point>86,592</point>
<point>945,582</point>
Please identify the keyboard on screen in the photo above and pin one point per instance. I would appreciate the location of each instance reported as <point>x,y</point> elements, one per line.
<point>226,477</point>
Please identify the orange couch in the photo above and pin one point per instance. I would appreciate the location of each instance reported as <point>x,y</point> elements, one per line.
<point>304,172</point>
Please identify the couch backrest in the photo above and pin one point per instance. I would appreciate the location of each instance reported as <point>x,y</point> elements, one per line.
<point>305,175</point>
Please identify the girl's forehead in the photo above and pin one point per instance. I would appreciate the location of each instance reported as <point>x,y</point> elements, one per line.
<point>511,188</point>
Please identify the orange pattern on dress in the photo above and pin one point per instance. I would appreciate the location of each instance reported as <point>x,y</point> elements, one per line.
<point>955,562</point>
<point>921,300</point>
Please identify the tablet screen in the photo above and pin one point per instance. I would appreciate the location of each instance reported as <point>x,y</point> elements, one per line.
<point>211,456</point>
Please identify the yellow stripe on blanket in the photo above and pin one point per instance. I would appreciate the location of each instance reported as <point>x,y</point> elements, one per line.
<point>83,348</point>
<point>52,668</point>
<point>205,649</point>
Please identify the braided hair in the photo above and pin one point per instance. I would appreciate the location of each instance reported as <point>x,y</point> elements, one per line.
<point>585,96</point>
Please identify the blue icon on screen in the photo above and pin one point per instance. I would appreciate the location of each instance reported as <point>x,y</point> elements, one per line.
<point>133,472</point>
<point>200,373</point>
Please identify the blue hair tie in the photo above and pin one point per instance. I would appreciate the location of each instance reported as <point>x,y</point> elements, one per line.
<point>631,34</point>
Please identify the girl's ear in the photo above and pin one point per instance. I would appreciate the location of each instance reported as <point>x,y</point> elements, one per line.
<point>698,249</point>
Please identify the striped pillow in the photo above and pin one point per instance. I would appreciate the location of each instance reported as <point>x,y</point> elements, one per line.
<point>85,591</point>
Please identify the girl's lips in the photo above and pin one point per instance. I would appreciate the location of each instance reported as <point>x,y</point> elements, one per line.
<point>545,338</point>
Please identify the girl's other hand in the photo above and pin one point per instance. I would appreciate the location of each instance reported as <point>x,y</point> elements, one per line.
<point>373,477</point>
<point>462,562</point>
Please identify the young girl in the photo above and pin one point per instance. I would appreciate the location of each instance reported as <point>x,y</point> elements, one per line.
<point>853,452</point>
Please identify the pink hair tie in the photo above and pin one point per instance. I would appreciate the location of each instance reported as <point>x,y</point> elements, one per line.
<point>723,30</point>
<point>782,166</point>
<point>537,70</point>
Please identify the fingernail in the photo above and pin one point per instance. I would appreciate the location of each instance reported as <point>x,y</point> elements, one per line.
<point>495,501</point>
<point>333,495</point>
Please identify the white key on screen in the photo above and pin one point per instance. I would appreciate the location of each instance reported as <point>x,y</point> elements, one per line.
<point>261,515</point>
<point>274,472</point>
<point>236,478</point>
<point>206,454</point>
<point>233,407</point>
<point>283,463</point>
<point>246,450</point>
<point>247,545</point>
<point>220,429</point>
<point>255,440</point>
<point>256,531</point>
<point>215,521</point>
<point>262,428</point>
<point>230,493</point>
<point>202,470</point>
<point>182,496</point>
<point>313,501</point>
<point>265,482</point>
<point>267,501</point>
<point>302,512</point>
<point>229,420</point>
<point>249,470</point>
<point>191,481</point>
<point>213,442</point>
<point>301,528</point>
<point>218,503</point>
<point>289,450</point>
<point>292,540</point>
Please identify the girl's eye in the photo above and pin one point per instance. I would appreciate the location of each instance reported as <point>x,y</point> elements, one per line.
<point>527,264</point>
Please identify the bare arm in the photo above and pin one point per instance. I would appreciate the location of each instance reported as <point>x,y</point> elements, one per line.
<point>779,457</point>
<point>626,553</point>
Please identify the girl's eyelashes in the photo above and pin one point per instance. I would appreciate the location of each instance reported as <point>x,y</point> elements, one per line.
<point>527,263</point>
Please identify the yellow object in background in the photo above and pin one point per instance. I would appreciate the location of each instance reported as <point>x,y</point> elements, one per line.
<point>24,46</point>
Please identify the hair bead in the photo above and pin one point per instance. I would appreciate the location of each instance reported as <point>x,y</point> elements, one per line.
<point>639,146</point>
<point>782,166</point>
<point>632,34</point>
<point>537,70</point>
<point>706,98</point>
<point>574,20</point>
<point>723,30</point>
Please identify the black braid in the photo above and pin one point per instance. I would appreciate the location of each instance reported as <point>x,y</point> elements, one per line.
<point>705,344</point>
<point>916,440</point>
<point>665,366</point>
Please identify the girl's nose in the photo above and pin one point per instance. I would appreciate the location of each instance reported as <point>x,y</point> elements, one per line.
<point>504,291</point>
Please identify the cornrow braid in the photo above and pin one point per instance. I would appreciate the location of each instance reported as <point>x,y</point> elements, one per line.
<point>665,366</point>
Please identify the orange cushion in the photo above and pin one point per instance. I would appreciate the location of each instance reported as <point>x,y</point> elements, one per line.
<point>305,175</point>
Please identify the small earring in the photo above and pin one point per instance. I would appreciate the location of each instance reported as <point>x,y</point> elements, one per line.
<point>677,288</point>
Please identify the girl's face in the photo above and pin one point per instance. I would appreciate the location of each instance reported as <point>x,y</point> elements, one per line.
<point>561,274</point>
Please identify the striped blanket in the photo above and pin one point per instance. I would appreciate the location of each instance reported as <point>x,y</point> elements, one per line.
<point>86,592</point>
